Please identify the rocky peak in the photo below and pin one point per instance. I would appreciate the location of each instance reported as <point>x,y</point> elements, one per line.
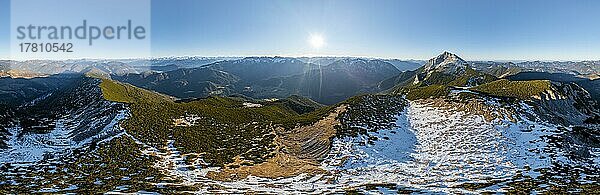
<point>446,62</point>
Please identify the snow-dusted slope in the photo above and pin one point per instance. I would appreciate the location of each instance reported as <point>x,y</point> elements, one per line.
<point>25,148</point>
<point>57,123</point>
<point>436,148</point>
<point>383,144</point>
<point>433,148</point>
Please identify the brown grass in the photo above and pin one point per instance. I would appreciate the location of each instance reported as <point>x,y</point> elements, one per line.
<point>299,150</point>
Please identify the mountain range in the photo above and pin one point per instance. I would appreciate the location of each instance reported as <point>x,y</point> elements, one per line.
<point>282,125</point>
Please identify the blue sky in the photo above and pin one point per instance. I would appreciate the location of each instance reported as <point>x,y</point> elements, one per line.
<point>474,29</point>
<point>4,29</point>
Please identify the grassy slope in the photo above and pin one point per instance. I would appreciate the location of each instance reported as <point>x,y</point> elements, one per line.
<point>515,89</point>
<point>300,104</point>
<point>432,91</point>
<point>225,129</point>
<point>437,84</point>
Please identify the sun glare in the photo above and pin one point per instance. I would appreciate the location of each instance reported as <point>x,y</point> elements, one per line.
<point>316,41</point>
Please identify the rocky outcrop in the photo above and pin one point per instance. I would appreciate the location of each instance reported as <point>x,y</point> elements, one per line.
<point>566,104</point>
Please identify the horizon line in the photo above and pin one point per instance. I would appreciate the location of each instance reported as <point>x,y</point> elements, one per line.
<point>300,56</point>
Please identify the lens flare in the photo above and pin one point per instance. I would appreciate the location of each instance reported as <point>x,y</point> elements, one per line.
<point>316,41</point>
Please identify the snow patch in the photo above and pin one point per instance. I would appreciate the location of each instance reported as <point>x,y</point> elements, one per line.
<point>434,149</point>
<point>26,148</point>
<point>252,105</point>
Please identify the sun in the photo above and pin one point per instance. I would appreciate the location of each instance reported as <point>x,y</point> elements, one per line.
<point>316,41</point>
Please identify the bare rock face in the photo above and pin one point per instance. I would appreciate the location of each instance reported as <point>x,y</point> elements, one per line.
<point>447,63</point>
<point>566,104</point>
